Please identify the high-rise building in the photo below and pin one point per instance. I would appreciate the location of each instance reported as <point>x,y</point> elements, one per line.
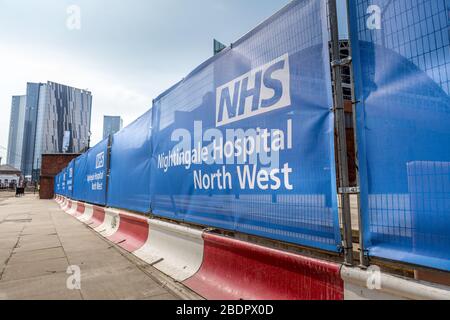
<point>57,119</point>
<point>31,111</point>
<point>111,125</point>
<point>16,131</point>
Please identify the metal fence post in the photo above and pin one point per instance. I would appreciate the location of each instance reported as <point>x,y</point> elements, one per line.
<point>108,166</point>
<point>363,258</point>
<point>341,132</point>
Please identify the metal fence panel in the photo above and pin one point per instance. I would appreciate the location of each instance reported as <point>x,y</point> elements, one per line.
<point>60,181</point>
<point>69,183</point>
<point>401,54</point>
<point>96,171</point>
<point>56,185</point>
<point>129,180</point>
<point>63,182</point>
<point>80,178</point>
<point>245,142</point>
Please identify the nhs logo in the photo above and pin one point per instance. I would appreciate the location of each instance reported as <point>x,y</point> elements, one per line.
<point>261,90</point>
<point>100,160</point>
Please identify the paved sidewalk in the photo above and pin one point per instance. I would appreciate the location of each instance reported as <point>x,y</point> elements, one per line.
<point>38,242</point>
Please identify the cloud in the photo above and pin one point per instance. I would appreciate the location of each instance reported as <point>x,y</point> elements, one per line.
<point>126,53</point>
<point>112,94</point>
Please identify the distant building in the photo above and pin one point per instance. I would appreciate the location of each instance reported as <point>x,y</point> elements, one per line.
<point>16,131</point>
<point>9,176</point>
<point>111,125</point>
<point>57,120</point>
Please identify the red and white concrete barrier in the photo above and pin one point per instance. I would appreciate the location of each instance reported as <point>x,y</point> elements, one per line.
<point>80,209</point>
<point>372,284</point>
<point>110,224</point>
<point>97,218</point>
<point>73,208</point>
<point>132,232</point>
<point>218,267</point>
<point>67,205</point>
<point>63,202</point>
<point>173,249</point>
<point>88,213</point>
<point>234,270</point>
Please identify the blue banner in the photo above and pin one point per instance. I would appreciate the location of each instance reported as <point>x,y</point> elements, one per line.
<point>129,180</point>
<point>245,142</point>
<point>56,188</point>
<point>401,54</point>
<point>69,182</point>
<point>80,184</point>
<point>60,183</point>
<point>63,182</point>
<point>96,170</point>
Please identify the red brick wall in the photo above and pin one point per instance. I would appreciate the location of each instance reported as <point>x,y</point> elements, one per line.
<point>52,164</point>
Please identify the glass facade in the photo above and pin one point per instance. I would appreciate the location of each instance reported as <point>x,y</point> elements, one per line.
<point>49,111</point>
<point>63,110</point>
<point>16,131</point>
<point>111,125</point>
<point>31,113</point>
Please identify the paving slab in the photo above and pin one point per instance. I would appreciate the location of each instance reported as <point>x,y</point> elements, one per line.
<point>49,287</point>
<point>165,296</point>
<point>4,256</point>
<point>34,269</point>
<point>4,253</point>
<point>31,230</point>
<point>26,239</point>
<point>38,242</point>
<point>8,244</point>
<point>37,255</point>
<point>33,246</point>
<point>123,283</point>
<point>7,229</point>
<point>85,245</point>
<point>104,258</point>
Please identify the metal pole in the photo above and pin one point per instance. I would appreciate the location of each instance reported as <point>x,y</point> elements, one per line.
<point>363,259</point>
<point>108,164</point>
<point>339,111</point>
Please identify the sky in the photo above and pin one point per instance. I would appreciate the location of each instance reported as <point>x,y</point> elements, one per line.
<point>125,52</point>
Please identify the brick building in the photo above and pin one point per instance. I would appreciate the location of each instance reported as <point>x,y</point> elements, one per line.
<point>52,164</point>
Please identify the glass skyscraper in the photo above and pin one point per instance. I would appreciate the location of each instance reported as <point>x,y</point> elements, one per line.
<point>16,131</point>
<point>111,125</point>
<point>57,119</point>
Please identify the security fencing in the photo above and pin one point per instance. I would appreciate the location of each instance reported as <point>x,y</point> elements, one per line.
<point>246,141</point>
